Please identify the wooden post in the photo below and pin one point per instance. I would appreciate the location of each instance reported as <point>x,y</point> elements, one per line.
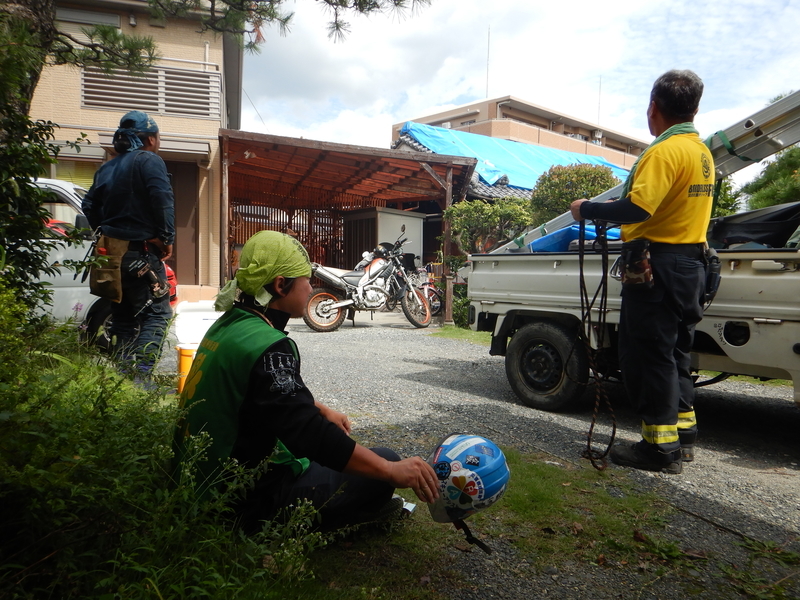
<point>447,249</point>
<point>448,300</point>
<point>225,248</point>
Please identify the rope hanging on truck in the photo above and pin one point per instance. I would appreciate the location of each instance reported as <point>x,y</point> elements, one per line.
<point>600,297</point>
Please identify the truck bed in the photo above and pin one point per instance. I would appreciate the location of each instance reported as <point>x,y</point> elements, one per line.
<point>751,328</point>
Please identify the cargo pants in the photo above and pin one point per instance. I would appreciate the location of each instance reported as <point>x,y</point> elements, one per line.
<point>656,333</point>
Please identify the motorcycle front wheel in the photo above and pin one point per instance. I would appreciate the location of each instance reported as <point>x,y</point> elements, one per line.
<point>434,298</point>
<point>416,308</point>
<point>318,316</point>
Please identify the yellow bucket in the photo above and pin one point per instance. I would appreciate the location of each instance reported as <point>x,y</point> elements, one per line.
<point>186,354</point>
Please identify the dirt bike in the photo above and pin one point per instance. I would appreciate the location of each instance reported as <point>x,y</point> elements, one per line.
<point>381,279</point>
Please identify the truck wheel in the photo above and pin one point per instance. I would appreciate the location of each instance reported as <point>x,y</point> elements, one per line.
<point>547,367</point>
<point>318,316</point>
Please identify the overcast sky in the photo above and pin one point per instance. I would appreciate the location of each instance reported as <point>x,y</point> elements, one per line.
<point>592,60</point>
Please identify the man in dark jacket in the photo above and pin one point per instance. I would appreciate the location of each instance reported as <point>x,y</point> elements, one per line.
<point>131,200</point>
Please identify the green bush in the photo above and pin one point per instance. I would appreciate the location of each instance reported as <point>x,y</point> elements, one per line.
<point>481,226</point>
<point>90,508</point>
<point>460,306</point>
<point>557,188</point>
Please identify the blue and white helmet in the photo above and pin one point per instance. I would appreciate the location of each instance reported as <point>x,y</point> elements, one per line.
<point>472,473</point>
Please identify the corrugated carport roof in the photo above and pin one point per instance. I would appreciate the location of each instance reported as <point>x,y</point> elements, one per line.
<point>312,174</point>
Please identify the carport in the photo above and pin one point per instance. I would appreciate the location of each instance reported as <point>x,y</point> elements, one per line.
<point>305,187</point>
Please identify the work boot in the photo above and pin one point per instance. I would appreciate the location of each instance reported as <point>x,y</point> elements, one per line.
<point>644,456</point>
<point>392,510</point>
<point>687,440</point>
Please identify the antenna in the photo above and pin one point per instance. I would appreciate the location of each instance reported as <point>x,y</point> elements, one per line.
<point>255,109</point>
<point>599,91</point>
<point>488,45</point>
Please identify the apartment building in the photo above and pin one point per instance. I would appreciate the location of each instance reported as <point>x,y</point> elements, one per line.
<point>511,118</point>
<point>192,91</point>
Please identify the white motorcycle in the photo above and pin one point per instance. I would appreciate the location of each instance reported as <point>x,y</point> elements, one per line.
<point>379,278</point>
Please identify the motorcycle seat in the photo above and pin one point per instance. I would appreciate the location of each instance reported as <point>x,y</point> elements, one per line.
<point>353,277</point>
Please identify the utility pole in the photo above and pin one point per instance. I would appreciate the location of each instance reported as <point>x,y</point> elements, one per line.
<point>599,92</point>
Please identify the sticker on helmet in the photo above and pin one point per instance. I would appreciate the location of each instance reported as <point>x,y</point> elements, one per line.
<point>464,490</point>
<point>491,500</point>
<point>463,446</point>
<point>472,461</point>
<point>483,449</point>
<point>442,470</point>
<point>455,465</point>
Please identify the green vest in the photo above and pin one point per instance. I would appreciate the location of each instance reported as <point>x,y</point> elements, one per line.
<point>215,390</point>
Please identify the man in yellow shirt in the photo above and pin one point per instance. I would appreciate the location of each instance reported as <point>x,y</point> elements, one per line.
<point>666,201</point>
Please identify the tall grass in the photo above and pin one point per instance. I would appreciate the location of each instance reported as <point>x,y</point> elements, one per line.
<point>90,509</point>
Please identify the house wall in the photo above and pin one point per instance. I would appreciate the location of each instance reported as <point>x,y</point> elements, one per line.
<point>192,140</point>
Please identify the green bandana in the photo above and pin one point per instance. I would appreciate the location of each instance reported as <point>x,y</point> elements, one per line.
<point>674,130</point>
<point>264,257</point>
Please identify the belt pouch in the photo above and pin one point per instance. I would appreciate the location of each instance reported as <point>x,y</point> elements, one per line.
<point>637,273</point>
<point>713,268</point>
<point>105,278</point>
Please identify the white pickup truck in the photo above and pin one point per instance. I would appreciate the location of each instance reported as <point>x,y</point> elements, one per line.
<point>531,302</point>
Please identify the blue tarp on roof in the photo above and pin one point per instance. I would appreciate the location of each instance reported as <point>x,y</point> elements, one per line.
<point>522,163</point>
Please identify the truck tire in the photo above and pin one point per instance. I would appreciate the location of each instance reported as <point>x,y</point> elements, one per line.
<point>317,316</point>
<point>547,366</point>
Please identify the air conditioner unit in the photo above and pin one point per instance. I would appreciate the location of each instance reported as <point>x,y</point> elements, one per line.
<point>446,125</point>
<point>597,133</point>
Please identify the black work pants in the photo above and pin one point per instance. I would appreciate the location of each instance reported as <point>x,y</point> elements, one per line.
<point>341,498</point>
<point>656,332</point>
<point>140,322</point>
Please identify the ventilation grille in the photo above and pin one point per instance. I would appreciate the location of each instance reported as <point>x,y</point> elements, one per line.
<point>161,90</point>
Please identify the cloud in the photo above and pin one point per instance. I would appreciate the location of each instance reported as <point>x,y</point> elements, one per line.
<point>591,60</point>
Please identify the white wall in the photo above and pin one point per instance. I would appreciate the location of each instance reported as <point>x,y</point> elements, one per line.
<point>390,222</point>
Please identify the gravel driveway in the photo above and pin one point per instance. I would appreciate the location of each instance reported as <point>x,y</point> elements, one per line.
<point>405,389</point>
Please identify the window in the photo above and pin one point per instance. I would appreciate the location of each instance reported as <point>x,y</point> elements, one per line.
<point>74,21</point>
<point>78,172</point>
<point>163,90</point>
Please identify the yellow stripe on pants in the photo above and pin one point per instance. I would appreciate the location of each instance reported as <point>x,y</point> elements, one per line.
<point>687,420</point>
<point>659,434</point>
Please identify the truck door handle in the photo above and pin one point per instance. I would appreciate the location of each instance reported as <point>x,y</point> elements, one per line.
<point>769,265</point>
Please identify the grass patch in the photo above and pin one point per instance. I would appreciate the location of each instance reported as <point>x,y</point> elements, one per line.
<point>748,379</point>
<point>557,510</point>
<point>451,332</point>
<point>551,513</point>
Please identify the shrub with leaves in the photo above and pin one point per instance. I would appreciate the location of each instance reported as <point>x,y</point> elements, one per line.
<point>779,181</point>
<point>727,202</point>
<point>90,507</point>
<point>460,306</point>
<point>557,188</point>
<point>482,226</point>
